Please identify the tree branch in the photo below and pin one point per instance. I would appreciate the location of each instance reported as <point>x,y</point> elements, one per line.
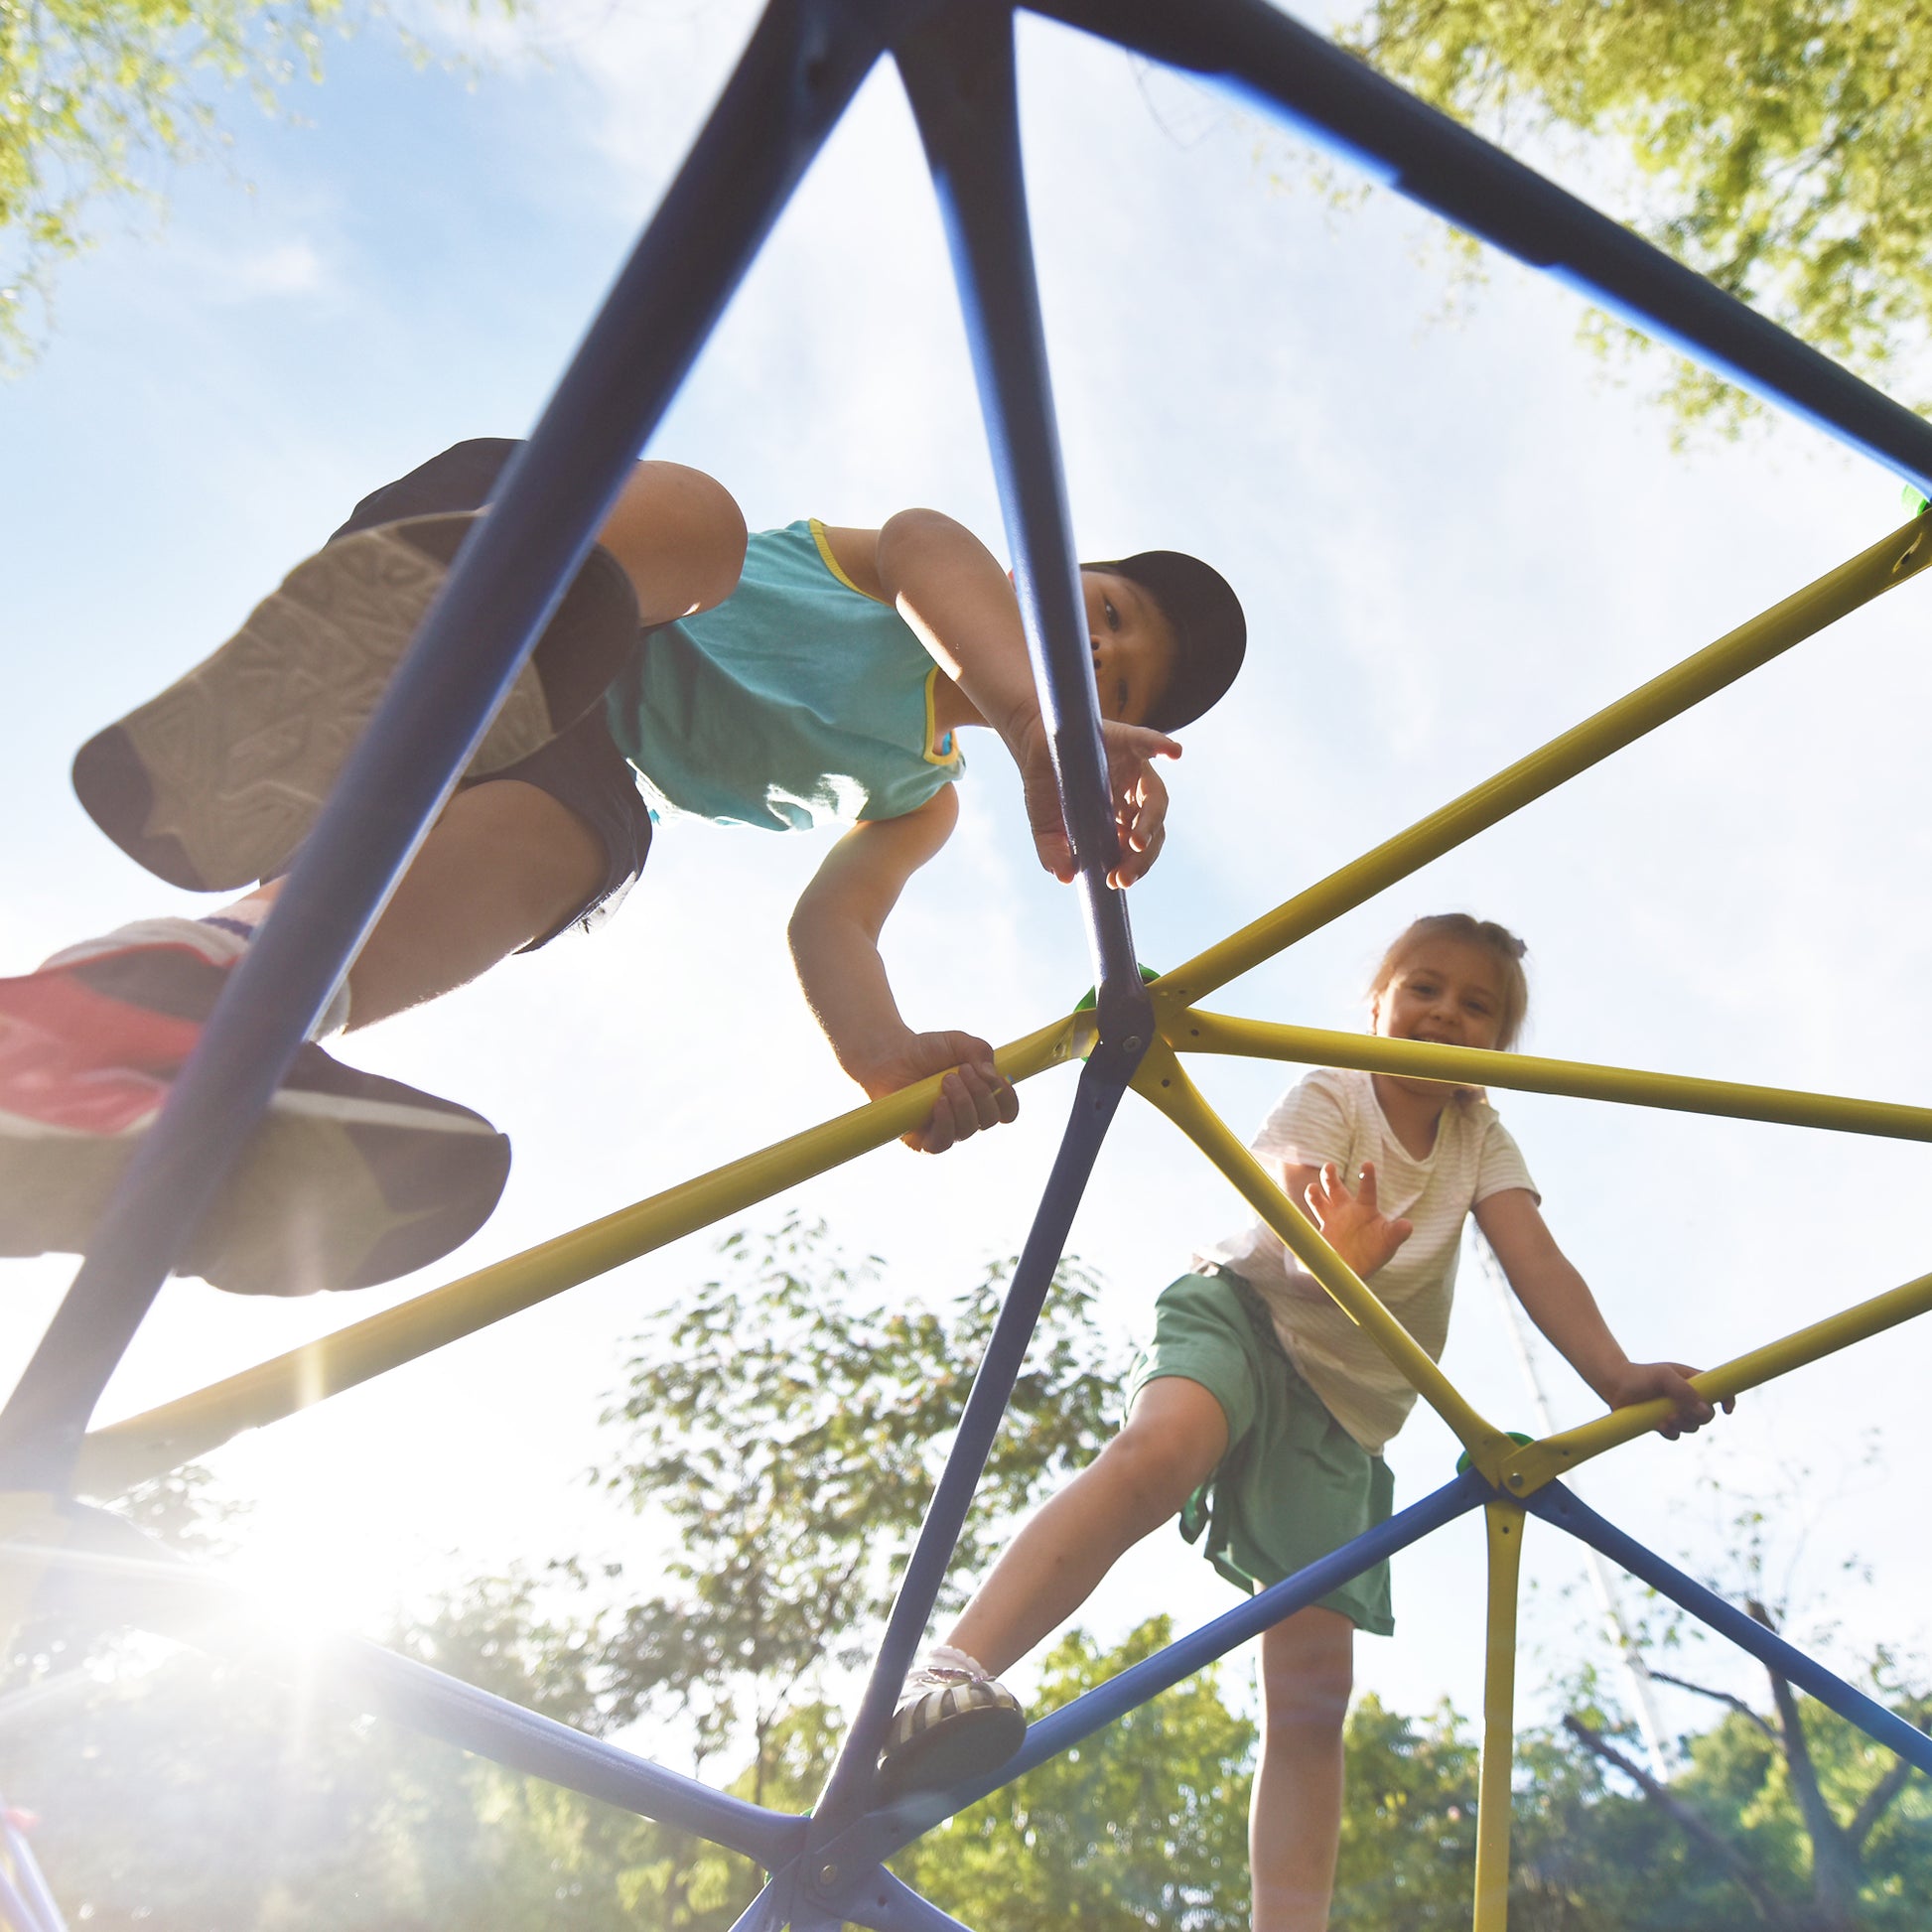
<point>1876,1804</point>
<point>1738,1703</point>
<point>1687,1821</point>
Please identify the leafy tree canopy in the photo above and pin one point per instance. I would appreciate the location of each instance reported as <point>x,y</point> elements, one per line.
<point>1786,145</point>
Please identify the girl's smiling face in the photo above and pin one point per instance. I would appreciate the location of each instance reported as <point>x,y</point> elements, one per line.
<point>1446,990</point>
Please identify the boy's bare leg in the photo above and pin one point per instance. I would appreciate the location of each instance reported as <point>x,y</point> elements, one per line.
<point>1294,1819</point>
<point>502,866</point>
<point>1170,1446</point>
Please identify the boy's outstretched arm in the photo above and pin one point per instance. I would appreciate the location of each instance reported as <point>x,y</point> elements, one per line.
<point>1560,1302</point>
<point>834,935</point>
<point>946,584</point>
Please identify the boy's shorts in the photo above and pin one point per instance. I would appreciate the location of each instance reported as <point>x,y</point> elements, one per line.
<point>581,767</point>
<point>1294,1485</point>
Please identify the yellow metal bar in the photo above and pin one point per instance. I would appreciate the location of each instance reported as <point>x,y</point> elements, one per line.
<point>1195,1031</point>
<point>1888,562</point>
<point>126,1453</point>
<point>1162,1081</point>
<point>1528,1469</point>
<point>1498,1718</point>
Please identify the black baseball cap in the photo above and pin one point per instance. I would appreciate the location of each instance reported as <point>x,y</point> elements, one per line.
<point>1210,633</point>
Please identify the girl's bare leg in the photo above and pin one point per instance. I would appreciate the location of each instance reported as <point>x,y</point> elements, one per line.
<point>1295,1820</point>
<point>1170,1446</point>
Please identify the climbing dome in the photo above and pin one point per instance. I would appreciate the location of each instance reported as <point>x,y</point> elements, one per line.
<point>801,69</point>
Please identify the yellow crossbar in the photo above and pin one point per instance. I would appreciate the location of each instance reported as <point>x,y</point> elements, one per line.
<point>1887,563</point>
<point>1527,1469</point>
<point>1195,1031</point>
<point>113,1458</point>
<point>1162,1080</point>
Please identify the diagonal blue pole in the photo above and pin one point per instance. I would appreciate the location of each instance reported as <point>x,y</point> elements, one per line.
<point>26,1899</point>
<point>891,1828</point>
<point>801,67</point>
<point>958,69</point>
<point>169,1595</point>
<point>1558,1505</point>
<point>1102,1083</point>
<point>1280,65</point>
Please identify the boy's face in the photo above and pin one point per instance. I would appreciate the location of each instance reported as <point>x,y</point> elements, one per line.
<point>1134,646</point>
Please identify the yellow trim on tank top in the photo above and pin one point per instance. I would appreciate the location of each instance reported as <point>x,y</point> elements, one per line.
<point>935,753</point>
<point>831,563</point>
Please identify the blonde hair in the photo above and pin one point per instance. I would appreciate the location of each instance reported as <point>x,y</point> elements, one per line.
<point>1498,941</point>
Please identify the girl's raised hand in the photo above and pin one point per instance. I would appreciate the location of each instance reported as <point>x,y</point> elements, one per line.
<point>1352,1224</point>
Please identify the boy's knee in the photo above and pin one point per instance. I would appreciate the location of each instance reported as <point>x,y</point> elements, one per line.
<point>669,512</point>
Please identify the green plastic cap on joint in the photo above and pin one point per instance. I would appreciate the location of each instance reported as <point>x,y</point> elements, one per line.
<point>1463,1465</point>
<point>1916,499</point>
<point>1085,1003</point>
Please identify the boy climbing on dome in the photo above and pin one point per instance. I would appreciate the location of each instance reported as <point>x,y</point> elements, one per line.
<point>789,681</point>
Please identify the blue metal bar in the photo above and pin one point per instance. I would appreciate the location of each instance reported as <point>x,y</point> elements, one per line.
<point>883,1831</point>
<point>958,69</point>
<point>30,1882</point>
<point>885,1904</point>
<point>767,1911</point>
<point>1103,1081</point>
<point>789,88</point>
<point>15,1913</point>
<point>27,1896</point>
<point>1290,70</point>
<point>1558,1505</point>
<point>174,1596</point>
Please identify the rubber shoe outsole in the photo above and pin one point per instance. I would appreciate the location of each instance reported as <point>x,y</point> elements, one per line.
<point>348,1180</point>
<point>214,783</point>
<point>948,1735</point>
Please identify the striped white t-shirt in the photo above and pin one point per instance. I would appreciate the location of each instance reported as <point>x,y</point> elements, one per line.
<point>1334,1115</point>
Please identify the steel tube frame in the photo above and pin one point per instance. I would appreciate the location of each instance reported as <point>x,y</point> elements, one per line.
<point>1163,1081</point>
<point>125,1452</point>
<point>1503,1526</point>
<point>892,1827</point>
<point>1283,67</point>
<point>806,59</point>
<point>958,70</point>
<point>1198,1031</point>
<point>1561,1506</point>
<point>789,90</point>
<point>1881,566</point>
<point>178,1599</point>
<point>1102,1083</point>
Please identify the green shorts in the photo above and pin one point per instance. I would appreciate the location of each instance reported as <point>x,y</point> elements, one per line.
<point>1294,1485</point>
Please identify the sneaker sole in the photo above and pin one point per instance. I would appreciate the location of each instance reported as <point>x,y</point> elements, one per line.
<point>214,783</point>
<point>964,1746</point>
<point>349,1179</point>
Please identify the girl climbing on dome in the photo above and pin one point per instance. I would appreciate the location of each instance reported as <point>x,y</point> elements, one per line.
<point>1260,1411</point>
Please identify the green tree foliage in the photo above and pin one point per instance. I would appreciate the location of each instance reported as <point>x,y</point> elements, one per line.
<point>98,95</point>
<point>1782,144</point>
<point>787,1426</point>
<point>99,98</point>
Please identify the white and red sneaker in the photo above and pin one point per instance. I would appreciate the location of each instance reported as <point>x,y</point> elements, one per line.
<point>348,1180</point>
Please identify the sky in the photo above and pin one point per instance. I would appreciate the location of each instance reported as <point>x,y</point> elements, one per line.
<point>1455,533</point>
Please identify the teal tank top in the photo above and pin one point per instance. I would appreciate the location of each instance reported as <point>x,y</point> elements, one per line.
<point>799,702</point>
